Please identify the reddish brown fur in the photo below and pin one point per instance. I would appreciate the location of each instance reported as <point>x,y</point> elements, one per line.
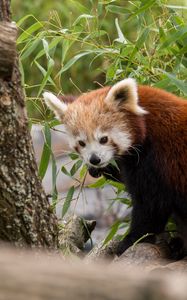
<point>166,125</point>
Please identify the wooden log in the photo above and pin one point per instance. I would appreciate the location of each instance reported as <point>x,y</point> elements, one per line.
<point>8,34</point>
<point>28,276</point>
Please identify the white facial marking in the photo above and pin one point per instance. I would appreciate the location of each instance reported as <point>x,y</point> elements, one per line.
<point>121,138</point>
<point>73,140</point>
<point>105,152</point>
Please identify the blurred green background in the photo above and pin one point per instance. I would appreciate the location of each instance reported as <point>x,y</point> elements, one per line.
<point>72,46</point>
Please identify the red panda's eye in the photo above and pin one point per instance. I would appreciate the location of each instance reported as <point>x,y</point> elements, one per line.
<point>103,140</point>
<point>82,144</point>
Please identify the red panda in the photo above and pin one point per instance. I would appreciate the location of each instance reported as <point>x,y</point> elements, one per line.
<point>145,130</point>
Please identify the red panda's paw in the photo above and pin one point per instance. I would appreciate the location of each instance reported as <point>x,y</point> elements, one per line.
<point>94,172</point>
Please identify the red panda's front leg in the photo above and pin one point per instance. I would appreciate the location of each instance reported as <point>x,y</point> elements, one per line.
<point>147,221</point>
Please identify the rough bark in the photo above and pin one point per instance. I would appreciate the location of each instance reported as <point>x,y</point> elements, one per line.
<point>25,214</point>
<point>8,33</point>
<point>32,277</point>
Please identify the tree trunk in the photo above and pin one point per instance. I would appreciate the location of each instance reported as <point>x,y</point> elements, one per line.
<point>25,214</point>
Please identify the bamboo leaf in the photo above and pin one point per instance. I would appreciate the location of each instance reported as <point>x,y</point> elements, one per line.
<point>174,37</point>
<point>46,48</point>
<point>71,62</point>
<point>27,33</point>
<point>83,171</point>
<point>54,178</point>
<point>144,7</point>
<point>120,186</point>
<point>112,232</point>
<point>181,85</point>
<point>68,200</point>
<point>84,16</point>
<point>73,156</point>
<point>44,72</point>
<point>47,76</point>
<point>51,45</point>
<point>63,169</point>
<point>30,49</point>
<point>98,184</point>
<point>75,167</point>
<point>46,153</point>
<point>117,9</point>
<point>139,43</point>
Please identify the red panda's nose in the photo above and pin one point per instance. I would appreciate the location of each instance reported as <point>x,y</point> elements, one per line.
<point>94,159</point>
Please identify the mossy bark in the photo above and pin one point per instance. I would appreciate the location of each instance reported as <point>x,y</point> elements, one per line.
<point>25,214</point>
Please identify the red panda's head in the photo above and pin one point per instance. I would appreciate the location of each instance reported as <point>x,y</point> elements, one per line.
<point>102,124</point>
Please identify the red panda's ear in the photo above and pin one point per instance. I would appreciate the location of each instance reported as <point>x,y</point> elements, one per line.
<point>57,106</point>
<point>67,98</point>
<point>126,92</point>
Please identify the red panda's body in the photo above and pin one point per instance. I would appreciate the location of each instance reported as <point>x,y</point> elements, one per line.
<point>157,182</point>
<point>150,150</point>
<point>166,127</point>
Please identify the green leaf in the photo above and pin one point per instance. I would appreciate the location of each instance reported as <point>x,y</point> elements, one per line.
<point>71,62</point>
<point>30,49</point>
<point>46,153</point>
<point>117,9</point>
<point>47,75</point>
<point>51,45</point>
<point>84,16</point>
<point>176,7</point>
<point>73,156</point>
<point>141,40</point>
<point>112,232</point>
<point>98,184</point>
<point>75,167</point>
<point>65,47</point>
<point>63,169</point>
<point>54,178</point>
<point>44,72</point>
<point>172,38</point>
<point>139,43</point>
<point>25,18</point>
<point>83,171</point>
<point>141,238</point>
<point>54,123</point>
<point>181,85</point>
<point>148,4</point>
<point>46,48</point>
<point>120,186</point>
<point>27,33</point>
<point>68,200</point>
